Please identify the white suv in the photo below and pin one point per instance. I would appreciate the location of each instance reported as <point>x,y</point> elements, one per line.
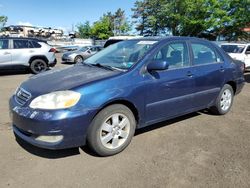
<point>26,53</point>
<point>238,51</point>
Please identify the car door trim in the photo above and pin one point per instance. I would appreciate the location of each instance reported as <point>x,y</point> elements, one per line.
<point>184,97</point>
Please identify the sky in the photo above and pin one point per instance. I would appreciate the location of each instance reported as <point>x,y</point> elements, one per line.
<point>60,14</point>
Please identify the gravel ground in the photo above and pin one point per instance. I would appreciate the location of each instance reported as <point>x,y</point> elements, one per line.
<point>196,150</point>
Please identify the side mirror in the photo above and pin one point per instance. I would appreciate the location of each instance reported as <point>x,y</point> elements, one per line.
<point>89,51</point>
<point>157,65</point>
<point>247,52</point>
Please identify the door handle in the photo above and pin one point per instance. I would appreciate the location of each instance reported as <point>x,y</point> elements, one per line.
<point>222,69</point>
<point>190,74</point>
<point>31,51</point>
<point>6,53</point>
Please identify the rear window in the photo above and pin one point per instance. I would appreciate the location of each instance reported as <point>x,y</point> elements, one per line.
<point>110,42</point>
<point>233,48</point>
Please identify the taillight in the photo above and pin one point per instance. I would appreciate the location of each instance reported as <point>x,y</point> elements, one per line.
<point>52,50</point>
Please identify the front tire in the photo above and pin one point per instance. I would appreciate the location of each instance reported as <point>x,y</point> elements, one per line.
<point>78,59</point>
<point>38,65</point>
<point>111,130</point>
<point>224,101</point>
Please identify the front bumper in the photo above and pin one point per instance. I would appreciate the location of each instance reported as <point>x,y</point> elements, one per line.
<point>70,125</point>
<point>68,59</point>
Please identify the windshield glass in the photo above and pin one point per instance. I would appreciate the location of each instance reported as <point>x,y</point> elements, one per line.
<point>233,48</point>
<point>83,49</point>
<point>122,55</point>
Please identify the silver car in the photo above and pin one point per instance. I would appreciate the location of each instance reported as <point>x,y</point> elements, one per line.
<point>80,54</point>
<point>30,53</point>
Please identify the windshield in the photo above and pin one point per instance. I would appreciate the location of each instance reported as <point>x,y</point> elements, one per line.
<point>122,55</point>
<point>83,49</point>
<point>233,48</point>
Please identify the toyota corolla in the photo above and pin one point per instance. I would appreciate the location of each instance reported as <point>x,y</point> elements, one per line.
<point>129,85</point>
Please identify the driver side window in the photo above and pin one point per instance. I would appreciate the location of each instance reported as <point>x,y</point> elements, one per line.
<point>176,54</point>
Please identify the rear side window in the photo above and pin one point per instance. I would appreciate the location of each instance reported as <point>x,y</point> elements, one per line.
<point>94,49</point>
<point>204,54</point>
<point>19,44</point>
<point>4,44</point>
<point>36,44</point>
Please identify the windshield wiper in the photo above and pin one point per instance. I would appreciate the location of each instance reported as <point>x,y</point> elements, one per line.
<point>108,67</point>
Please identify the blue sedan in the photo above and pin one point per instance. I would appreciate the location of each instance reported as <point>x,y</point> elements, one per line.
<point>129,85</point>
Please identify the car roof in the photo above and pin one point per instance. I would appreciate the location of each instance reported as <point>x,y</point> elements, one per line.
<point>124,37</point>
<point>160,38</point>
<point>24,38</point>
<point>235,43</point>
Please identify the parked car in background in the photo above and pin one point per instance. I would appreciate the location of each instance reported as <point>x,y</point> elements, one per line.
<point>113,40</point>
<point>16,53</point>
<point>129,85</point>
<point>79,55</point>
<point>238,51</point>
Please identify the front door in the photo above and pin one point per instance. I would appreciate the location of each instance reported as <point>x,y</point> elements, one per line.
<point>169,92</point>
<point>5,53</point>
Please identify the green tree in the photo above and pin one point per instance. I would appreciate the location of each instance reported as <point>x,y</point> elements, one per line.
<point>234,15</point>
<point>121,24</point>
<point>193,17</point>
<point>140,16</point>
<point>149,17</point>
<point>3,20</point>
<point>84,30</point>
<point>102,28</point>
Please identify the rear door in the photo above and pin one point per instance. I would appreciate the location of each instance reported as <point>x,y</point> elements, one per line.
<point>170,91</point>
<point>5,52</point>
<point>209,71</point>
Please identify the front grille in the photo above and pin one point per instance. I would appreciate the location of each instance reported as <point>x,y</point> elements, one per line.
<point>22,96</point>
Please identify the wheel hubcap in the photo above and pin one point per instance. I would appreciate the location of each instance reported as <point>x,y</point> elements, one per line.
<point>114,131</point>
<point>226,100</point>
<point>78,60</point>
<point>39,67</point>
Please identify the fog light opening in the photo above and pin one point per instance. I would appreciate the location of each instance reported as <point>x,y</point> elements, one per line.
<point>49,139</point>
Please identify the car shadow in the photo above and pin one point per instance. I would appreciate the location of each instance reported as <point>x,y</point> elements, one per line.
<point>56,154</point>
<point>247,77</point>
<point>67,63</point>
<point>166,123</point>
<point>14,72</point>
<point>45,153</point>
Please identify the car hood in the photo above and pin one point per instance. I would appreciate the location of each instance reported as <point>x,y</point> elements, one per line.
<point>64,79</point>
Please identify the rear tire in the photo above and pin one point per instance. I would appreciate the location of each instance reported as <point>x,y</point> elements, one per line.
<point>224,101</point>
<point>111,130</point>
<point>38,65</point>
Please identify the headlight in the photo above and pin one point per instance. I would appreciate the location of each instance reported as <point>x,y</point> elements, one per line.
<point>56,100</point>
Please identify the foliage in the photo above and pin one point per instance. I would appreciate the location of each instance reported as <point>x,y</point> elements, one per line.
<point>3,20</point>
<point>102,28</point>
<point>121,25</point>
<point>108,25</point>
<point>192,17</point>
<point>84,30</point>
